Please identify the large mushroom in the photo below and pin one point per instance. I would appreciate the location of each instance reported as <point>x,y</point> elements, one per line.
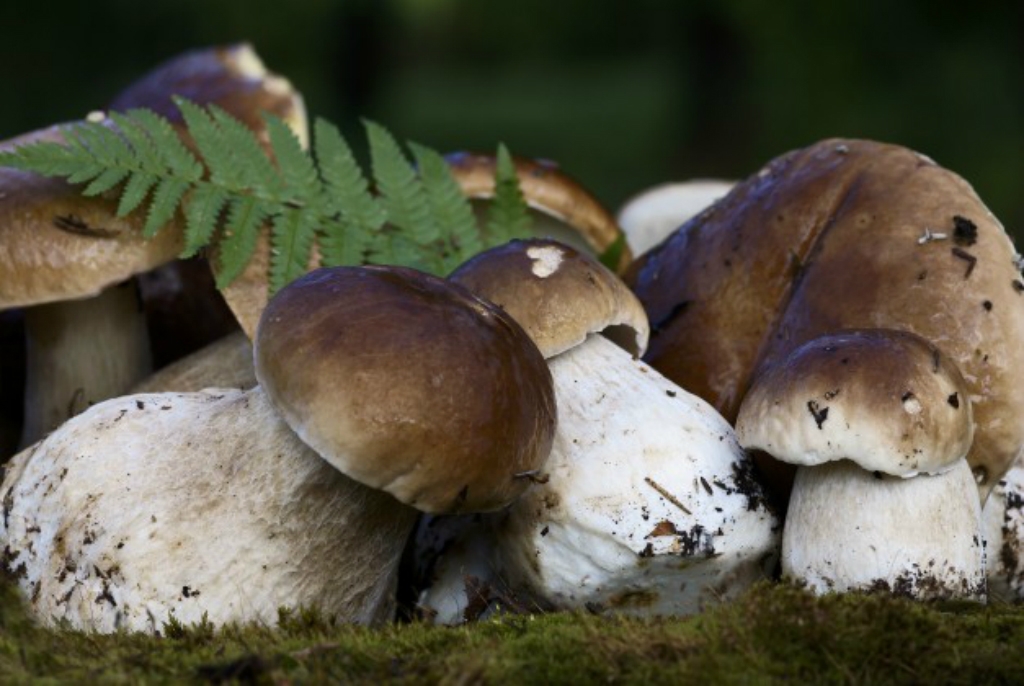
<point>842,234</point>
<point>68,259</point>
<point>646,504</point>
<point>208,504</point>
<point>879,423</point>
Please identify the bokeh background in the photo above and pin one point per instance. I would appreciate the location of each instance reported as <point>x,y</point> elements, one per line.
<point>622,94</point>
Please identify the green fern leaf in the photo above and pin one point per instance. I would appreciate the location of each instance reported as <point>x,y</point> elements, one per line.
<point>212,145</point>
<point>166,199</point>
<point>508,217</point>
<point>347,192</point>
<point>105,180</point>
<point>245,218</point>
<point>343,244</point>
<point>244,164</point>
<point>302,183</point>
<point>292,235</point>
<point>449,207</point>
<point>403,196</point>
<point>135,191</point>
<point>201,213</point>
<point>174,158</point>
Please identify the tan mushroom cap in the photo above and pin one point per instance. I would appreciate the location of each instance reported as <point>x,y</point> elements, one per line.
<point>408,384</point>
<point>549,190</point>
<point>843,235</point>
<point>557,294</point>
<point>56,244</point>
<point>887,400</point>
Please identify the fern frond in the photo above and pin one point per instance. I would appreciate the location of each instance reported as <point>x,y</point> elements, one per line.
<point>508,217</point>
<point>232,189</point>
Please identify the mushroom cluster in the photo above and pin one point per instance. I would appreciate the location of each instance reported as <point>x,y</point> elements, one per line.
<point>852,309</point>
<point>854,258</point>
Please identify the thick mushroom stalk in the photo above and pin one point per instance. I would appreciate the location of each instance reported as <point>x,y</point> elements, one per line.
<point>646,504</point>
<point>879,423</point>
<point>57,246</point>
<point>155,506</point>
<point>80,352</point>
<point>850,529</point>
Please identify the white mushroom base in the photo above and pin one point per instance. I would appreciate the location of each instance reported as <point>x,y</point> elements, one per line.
<point>848,529</point>
<point>647,505</point>
<point>1003,520</point>
<point>192,505</point>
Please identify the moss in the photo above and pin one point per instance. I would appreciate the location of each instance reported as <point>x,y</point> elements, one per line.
<point>773,633</point>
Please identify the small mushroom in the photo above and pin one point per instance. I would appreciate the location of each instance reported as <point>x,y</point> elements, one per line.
<point>646,504</point>
<point>879,423</point>
<point>651,216</point>
<point>208,504</point>
<point>68,259</point>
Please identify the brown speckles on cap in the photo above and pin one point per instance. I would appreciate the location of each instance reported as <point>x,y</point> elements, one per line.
<point>897,412</point>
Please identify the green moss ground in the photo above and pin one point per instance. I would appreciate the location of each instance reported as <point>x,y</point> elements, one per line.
<point>773,633</point>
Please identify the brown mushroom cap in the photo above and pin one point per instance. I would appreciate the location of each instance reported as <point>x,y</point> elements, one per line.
<point>835,236</point>
<point>56,244</point>
<point>549,190</point>
<point>557,294</point>
<point>887,400</point>
<point>409,384</point>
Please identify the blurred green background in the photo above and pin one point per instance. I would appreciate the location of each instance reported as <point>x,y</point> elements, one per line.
<point>623,94</point>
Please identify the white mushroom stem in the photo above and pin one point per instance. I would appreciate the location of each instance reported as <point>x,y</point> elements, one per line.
<point>850,529</point>
<point>190,505</point>
<point>1003,521</point>
<point>80,352</point>
<point>645,506</point>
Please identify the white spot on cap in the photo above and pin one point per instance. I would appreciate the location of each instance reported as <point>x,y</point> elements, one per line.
<point>911,404</point>
<point>546,260</point>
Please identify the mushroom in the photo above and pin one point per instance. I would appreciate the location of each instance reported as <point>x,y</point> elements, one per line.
<point>646,504</point>
<point>843,234</point>
<point>879,423</point>
<point>63,255</point>
<point>208,504</point>
<point>650,216</point>
<point>1003,522</point>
